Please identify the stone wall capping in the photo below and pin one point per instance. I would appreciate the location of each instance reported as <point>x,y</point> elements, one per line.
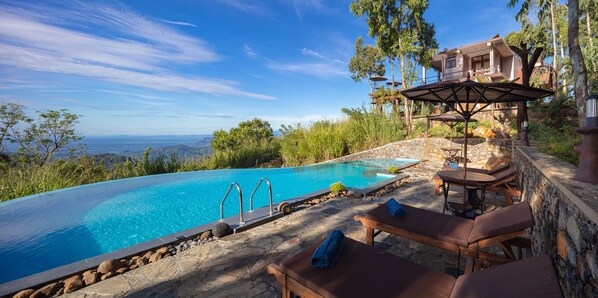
<point>557,178</point>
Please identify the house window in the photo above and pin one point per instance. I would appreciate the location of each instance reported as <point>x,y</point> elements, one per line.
<point>451,62</point>
<point>480,62</point>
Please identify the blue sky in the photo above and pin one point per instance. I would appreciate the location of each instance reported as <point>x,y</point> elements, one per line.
<point>194,66</point>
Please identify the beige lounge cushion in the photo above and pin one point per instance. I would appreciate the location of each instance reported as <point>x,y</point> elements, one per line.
<point>442,227</point>
<point>365,271</point>
<point>502,221</point>
<point>533,277</point>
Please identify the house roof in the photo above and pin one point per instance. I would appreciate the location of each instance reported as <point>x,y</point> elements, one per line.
<point>476,49</point>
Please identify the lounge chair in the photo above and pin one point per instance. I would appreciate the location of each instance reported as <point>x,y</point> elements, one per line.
<point>462,236</point>
<point>365,271</point>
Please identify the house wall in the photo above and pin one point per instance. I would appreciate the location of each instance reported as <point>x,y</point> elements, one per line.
<point>565,219</point>
<point>454,73</point>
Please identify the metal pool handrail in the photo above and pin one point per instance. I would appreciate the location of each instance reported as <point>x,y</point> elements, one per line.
<point>253,193</point>
<point>241,222</point>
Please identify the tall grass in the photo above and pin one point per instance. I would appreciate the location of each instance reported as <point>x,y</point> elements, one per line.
<point>324,140</point>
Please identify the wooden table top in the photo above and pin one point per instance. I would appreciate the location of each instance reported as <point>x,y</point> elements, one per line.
<point>473,178</point>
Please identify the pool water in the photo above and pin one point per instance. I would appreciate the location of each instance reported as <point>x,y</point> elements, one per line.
<point>48,230</point>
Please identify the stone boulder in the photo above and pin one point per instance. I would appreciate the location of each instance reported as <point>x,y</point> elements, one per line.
<point>72,284</point>
<point>47,291</point>
<point>90,277</point>
<point>221,230</point>
<point>205,235</point>
<point>109,265</point>
<point>24,293</point>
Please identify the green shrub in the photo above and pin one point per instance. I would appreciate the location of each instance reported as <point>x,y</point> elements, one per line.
<point>336,188</point>
<point>393,170</point>
<point>324,140</point>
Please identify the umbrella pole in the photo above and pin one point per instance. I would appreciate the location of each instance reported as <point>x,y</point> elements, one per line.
<point>465,164</point>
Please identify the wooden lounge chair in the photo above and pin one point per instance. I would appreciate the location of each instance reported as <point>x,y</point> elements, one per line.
<point>365,271</point>
<point>462,236</point>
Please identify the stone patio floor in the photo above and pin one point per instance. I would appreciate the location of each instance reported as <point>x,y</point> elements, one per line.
<point>235,265</point>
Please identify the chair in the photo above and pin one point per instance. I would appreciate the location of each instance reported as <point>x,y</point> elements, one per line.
<point>365,271</point>
<point>454,234</point>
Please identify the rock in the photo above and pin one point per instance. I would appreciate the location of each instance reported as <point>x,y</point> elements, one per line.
<point>48,290</point>
<point>122,270</point>
<point>205,235</point>
<point>221,230</point>
<point>142,261</point>
<point>107,275</point>
<point>90,277</point>
<point>134,258</point>
<point>134,266</point>
<point>148,254</point>
<point>72,284</point>
<point>162,250</point>
<point>155,257</point>
<point>109,265</point>
<point>24,293</point>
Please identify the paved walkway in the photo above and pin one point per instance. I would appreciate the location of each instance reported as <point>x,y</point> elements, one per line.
<point>235,265</point>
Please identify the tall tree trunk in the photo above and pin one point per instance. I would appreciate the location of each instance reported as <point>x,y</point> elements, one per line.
<point>563,70</point>
<point>527,67</point>
<point>577,62</point>
<point>555,54</point>
<point>405,100</point>
<point>589,28</point>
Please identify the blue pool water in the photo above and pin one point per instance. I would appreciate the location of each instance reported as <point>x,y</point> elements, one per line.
<point>52,229</point>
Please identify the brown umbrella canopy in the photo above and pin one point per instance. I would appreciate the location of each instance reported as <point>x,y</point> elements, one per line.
<point>471,92</point>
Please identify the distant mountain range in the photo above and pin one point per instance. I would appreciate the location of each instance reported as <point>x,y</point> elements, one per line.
<point>117,148</point>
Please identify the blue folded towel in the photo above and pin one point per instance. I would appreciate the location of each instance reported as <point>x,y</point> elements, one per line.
<point>453,165</point>
<point>329,250</point>
<point>395,209</point>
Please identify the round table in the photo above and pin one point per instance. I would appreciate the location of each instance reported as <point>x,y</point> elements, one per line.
<point>472,179</point>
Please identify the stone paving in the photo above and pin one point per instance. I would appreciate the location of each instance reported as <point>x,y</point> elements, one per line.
<point>235,265</point>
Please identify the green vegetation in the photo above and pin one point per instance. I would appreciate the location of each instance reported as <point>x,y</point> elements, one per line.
<point>325,139</point>
<point>393,169</point>
<point>552,126</point>
<point>336,188</point>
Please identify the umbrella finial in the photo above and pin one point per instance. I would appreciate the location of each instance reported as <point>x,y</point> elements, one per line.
<point>468,76</point>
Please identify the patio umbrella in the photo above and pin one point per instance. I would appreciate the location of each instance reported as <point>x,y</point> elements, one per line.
<point>468,97</point>
<point>451,120</point>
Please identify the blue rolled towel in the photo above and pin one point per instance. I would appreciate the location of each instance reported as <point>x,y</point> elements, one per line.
<point>329,250</point>
<point>453,165</point>
<point>395,209</point>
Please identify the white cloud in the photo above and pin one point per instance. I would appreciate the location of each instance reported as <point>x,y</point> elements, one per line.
<point>323,70</point>
<point>308,52</point>
<point>140,52</point>
<point>248,6</point>
<point>309,5</point>
<point>179,23</point>
<point>249,51</point>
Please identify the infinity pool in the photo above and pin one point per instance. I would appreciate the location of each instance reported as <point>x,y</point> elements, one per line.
<point>48,230</point>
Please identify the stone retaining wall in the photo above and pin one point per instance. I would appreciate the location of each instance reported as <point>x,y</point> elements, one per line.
<point>566,219</point>
<point>478,149</point>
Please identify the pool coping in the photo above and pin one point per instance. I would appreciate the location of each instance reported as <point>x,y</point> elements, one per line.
<point>252,218</point>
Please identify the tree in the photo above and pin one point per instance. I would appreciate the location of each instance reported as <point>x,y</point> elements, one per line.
<point>367,62</point>
<point>527,44</point>
<point>40,139</point>
<point>401,33</point>
<point>247,133</point>
<point>10,116</point>
<point>577,62</point>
